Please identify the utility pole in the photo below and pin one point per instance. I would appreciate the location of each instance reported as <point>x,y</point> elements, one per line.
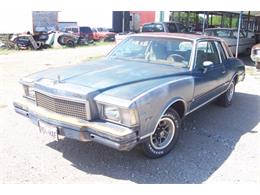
<point>204,21</point>
<point>123,22</point>
<point>238,32</point>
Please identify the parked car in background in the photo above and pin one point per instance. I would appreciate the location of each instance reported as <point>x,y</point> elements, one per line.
<point>255,55</point>
<point>84,32</point>
<point>138,94</point>
<point>164,27</point>
<point>103,34</point>
<point>230,36</point>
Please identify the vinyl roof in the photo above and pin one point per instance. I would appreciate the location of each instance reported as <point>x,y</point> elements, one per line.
<point>188,36</point>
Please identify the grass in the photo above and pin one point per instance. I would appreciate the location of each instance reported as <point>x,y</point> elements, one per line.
<point>7,51</point>
<point>83,46</point>
<point>4,51</point>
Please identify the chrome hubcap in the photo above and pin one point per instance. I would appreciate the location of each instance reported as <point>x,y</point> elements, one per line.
<point>163,134</point>
<point>230,92</point>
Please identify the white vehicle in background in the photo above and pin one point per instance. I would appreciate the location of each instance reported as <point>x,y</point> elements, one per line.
<point>255,55</point>
<point>246,40</point>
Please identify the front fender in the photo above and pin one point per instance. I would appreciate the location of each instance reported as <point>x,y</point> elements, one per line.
<point>152,104</point>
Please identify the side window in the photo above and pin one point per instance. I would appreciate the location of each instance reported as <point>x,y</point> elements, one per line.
<point>147,28</point>
<point>223,33</point>
<point>158,28</point>
<point>221,51</point>
<point>206,51</point>
<point>241,35</point>
<point>171,27</point>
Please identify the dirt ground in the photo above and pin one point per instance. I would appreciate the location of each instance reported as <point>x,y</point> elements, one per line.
<point>218,145</point>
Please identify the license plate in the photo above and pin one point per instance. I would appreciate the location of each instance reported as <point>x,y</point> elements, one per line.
<point>258,52</point>
<point>47,129</point>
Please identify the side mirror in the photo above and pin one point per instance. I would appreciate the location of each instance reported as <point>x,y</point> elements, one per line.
<point>207,63</point>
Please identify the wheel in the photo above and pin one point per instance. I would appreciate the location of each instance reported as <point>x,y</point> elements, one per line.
<point>165,136</point>
<point>226,98</point>
<point>61,40</point>
<point>70,43</point>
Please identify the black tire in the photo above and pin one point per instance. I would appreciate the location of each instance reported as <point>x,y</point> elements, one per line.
<point>225,99</point>
<point>150,149</point>
<point>70,43</point>
<point>60,40</point>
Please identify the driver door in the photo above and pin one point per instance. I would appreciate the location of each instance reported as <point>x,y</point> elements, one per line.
<point>208,73</point>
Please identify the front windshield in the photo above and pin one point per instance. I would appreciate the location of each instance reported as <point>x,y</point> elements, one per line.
<point>170,51</point>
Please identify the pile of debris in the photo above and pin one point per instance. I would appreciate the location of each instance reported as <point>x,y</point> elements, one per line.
<point>41,40</point>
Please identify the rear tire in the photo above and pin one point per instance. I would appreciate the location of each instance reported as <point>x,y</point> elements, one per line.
<point>225,99</point>
<point>70,43</point>
<point>165,136</point>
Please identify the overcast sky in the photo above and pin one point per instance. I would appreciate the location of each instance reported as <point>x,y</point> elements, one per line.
<point>19,18</point>
<point>16,15</point>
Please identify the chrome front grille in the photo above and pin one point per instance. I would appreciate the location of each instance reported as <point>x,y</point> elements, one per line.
<point>66,107</point>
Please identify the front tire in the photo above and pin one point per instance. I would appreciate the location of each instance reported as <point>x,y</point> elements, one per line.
<point>225,99</point>
<point>166,135</point>
<point>70,43</point>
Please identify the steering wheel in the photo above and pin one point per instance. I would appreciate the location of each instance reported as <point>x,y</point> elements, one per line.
<point>175,58</point>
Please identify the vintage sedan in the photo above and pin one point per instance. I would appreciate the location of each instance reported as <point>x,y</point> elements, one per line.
<point>138,94</point>
<point>230,36</point>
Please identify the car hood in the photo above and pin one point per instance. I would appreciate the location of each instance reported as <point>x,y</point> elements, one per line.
<point>105,75</point>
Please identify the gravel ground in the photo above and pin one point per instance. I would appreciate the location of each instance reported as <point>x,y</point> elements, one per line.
<point>218,145</point>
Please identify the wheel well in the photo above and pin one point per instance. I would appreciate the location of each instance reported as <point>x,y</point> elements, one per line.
<point>179,107</point>
<point>236,79</point>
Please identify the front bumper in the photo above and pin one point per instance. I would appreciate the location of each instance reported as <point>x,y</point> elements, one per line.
<point>106,133</point>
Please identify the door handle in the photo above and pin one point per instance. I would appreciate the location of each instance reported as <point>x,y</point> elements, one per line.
<point>223,72</point>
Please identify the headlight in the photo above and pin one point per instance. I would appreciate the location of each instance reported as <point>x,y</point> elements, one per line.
<point>29,92</point>
<point>128,117</point>
<point>112,113</point>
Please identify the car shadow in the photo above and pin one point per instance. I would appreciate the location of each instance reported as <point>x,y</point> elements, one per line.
<point>209,137</point>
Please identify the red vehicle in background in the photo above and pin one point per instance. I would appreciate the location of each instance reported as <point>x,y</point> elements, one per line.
<point>103,34</point>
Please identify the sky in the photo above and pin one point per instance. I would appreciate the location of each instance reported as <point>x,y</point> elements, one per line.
<point>16,15</point>
<point>19,18</point>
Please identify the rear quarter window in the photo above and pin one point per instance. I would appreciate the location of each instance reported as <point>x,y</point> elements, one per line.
<point>153,28</point>
<point>221,50</point>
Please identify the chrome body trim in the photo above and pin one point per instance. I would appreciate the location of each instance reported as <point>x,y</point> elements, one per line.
<point>62,97</point>
<point>204,103</point>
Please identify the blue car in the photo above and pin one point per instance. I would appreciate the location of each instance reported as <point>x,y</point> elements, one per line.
<point>138,94</point>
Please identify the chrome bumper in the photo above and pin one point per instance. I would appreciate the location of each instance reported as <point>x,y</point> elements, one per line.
<point>109,134</point>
